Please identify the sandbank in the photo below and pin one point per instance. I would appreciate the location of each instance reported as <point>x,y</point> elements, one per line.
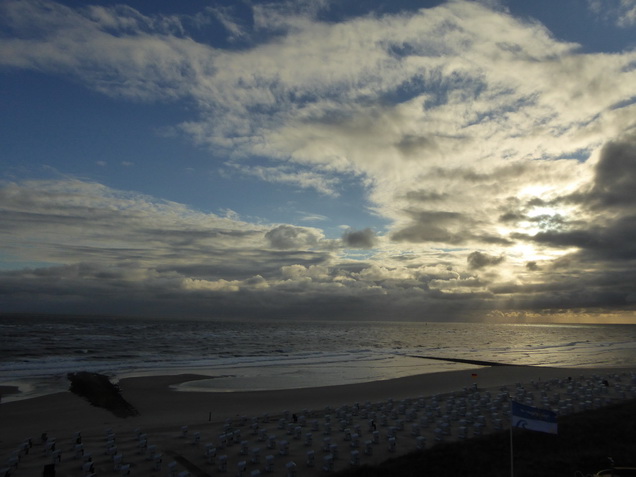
<point>163,411</point>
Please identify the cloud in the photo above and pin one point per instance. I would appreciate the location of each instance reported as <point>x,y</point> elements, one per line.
<point>604,220</point>
<point>615,174</point>
<point>359,238</point>
<point>304,179</point>
<point>477,260</point>
<point>620,12</point>
<point>83,245</point>
<point>469,129</point>
<point>286,237</point>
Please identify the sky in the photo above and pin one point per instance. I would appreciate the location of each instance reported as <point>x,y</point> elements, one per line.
<point>319,159</point>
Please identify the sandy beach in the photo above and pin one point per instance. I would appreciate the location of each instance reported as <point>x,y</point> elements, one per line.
<point>334,424</point>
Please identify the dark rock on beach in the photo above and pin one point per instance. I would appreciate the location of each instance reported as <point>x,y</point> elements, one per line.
<point>100,392</point>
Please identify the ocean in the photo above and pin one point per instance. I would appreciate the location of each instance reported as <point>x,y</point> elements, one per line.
<point>36,353</point>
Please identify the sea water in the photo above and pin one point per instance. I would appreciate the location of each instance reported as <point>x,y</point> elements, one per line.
<point>37,352</point>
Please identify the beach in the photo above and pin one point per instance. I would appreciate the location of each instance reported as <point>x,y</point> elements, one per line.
<point>338,421</point>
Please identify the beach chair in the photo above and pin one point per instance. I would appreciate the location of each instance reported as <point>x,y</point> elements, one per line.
<point>88,468</point>
<point>355,440</point>
<point>423,422</point>
<point>27,444</point>
<point>310,459</point>
<point>210,453</point>
<point>283,447</point>
<point>421,442</point>
<point>245,445</point>
<point>255,473</point>
<point>271,441</point>
<point>56,456</point>
<point>184,432</point>
<point>326,442</point>
<point>78,451</point>
<point>254,428</point>
<point>150,452</point>
<point>49,446</point>
<point>255,455</point>
<point>241,468</point>
<point>117,461</point>
<point>262,434</point>
<point>222,463</point>
<point>355,457</point>
<point>333,450</point>
<point>308,439</point>
<point>142,446</point>
<point>124,469</point>
<point>183,473</point>
<point>172,469</point>
<point>269,463</point>
<point>156,461</point>
<point>327,463</point>
<point>368,447</point>
<point>392,444</point>
<point>196,438</point>
<point>291,468</point>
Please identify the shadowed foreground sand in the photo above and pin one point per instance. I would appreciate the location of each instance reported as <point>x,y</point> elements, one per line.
<point>314,428</point>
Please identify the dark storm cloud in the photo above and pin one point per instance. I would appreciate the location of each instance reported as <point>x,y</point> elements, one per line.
<point>615,175</point>
<point>532,266</point>
<point>578,289</point>
<point>477,260</point>
<point>613,241</point>
<point>359,238</point>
